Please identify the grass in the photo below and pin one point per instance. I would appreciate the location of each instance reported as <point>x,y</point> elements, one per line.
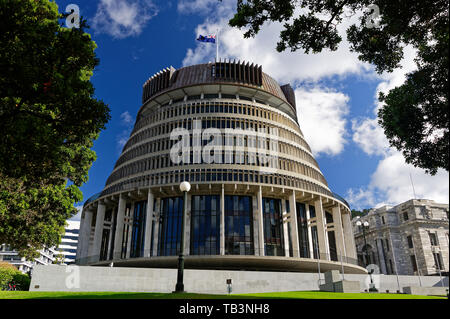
<point>144,295</point>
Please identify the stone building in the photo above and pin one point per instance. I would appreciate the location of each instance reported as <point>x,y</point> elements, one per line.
<point>258,199</point>
<point>410,238</point>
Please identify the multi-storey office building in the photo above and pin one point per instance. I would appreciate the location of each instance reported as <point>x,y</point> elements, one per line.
<point>46,256</point>
<point>410,238</point>
<point>65,253</point>
<point>69,242</point>
<point>258,198</point>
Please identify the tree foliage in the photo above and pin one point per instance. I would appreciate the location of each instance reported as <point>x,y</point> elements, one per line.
<point>49,120</point>
<point>415,115</point>
<point>360,213</point>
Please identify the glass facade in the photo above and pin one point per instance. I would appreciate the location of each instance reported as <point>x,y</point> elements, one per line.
<point>315,240</point>
<point>332,246</point>
<point>303,238</point>
<point>238,225</point>
<point>126,230</point>
<point>138,230</point>
<point>170,226</point>
<point>273,227</point>
<point>205,225</point>
<point>104,244</point>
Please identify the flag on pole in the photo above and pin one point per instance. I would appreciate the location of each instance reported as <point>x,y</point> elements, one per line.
<point>208,38</point>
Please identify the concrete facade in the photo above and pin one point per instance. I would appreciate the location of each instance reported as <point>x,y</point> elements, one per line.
<point>416,231</point>
<point>90,278</point>
<point>290,204</point>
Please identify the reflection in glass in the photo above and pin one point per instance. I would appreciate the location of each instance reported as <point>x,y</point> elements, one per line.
<point>273,227</point>
<point>303,238</point>
<point>238,225</point>
<point>170,226</point>
<point>205,225</point>
<point>138,230</point>
<point>332,245</point>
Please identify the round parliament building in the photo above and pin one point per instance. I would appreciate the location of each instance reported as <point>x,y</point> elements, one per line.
<point>257,199</point>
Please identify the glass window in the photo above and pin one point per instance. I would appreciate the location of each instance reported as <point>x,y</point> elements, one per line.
<point>205,225</point>
<point>238,225</point>
<point>104,244</point>
<point>138,230</point>
<point>273,227</point>
<point>332,246</point>
<point>438,261</point>
<point>413,262</point>
<point>329,217</point>
<point>170,226</point>
<point>312,211</point>
<point>315,240</point>
<point>302,224</point>
<point>433,239</point>
<point>410,242</point>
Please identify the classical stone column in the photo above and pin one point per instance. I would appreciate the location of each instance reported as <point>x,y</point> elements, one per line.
<point>85,232</point>
<point>110,237</point>
<point>350,247</point>
<point>338,232</point>
<point>94,253</point>
<point>156,230</point>
<point>222,221</point>
<point>310,238</point>
<point>284,216</point>
<point>381,256</point>
<point>260,222</point>
<point>321,232</point>
<point>294,225</point>
<point>148,223</point>
<point>130,230</point>
<point>119,227</point>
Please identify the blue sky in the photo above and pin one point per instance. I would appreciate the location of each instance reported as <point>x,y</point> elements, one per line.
<point>336,93</point>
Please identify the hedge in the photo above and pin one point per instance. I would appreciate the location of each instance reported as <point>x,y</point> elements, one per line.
<point>11,275</point>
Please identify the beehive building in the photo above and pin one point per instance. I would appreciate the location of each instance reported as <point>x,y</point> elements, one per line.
<point>258,199</point>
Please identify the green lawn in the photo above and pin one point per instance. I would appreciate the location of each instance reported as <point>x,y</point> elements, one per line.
<point>143,295</point>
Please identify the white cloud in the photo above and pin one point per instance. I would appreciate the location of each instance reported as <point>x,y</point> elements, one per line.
<point>397,77</point>
<point>126,118</point>
<point>196,6</point>
<point>286,66</point>
<point>325,108</point>
<point>127,121</point>
<point>321,115</point>
<point>369,136</point>
<point>123,18</point>
<point>394,182</point>
<point>77,217</point>
<point>323,112</point>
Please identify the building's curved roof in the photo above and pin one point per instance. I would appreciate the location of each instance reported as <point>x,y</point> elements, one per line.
<point>241,73</point>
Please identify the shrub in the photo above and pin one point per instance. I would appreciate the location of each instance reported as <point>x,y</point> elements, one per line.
<point>7,272</point>
<point>10,274</point>
<point>22,281</point>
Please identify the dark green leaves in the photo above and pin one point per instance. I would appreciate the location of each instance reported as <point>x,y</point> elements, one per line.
<point>415,116</point>
<point>49,120</point>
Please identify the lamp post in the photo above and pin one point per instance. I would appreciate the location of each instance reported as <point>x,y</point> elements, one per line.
<point>179,287</point>
<point>365,225</point>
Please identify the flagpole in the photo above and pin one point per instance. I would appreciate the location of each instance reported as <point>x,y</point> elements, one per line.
<point>217,45</point>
